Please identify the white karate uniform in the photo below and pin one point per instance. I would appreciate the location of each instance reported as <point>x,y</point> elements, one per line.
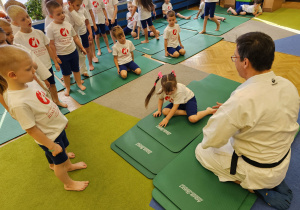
<point>258,121</point>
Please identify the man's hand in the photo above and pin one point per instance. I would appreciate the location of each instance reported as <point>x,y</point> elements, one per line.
<point>164,122</point>
<point>217,106</point>
<point>157,114</point>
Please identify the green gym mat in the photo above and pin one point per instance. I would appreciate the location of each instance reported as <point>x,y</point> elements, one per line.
<point>26,179</point>
<point>190,186</point>
<point>109,80</point>
<point>154,46</point>
<point>227,25</point>
<point>180,132</point>
<point>145,150</point>
<point>58,85</point>
<point>222,10</point>
<point>102,43</point>
<point>283,17</point>
<point>163,200</point>
<point>59,75</point>
<point>192,46</point>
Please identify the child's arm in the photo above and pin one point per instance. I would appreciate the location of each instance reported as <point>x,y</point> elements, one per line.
<point>76,17</point>
<point>138,33</point>
<point>180,41</point>
<point>78,43</point>
<point>40,137</point>
<point>116,63</point>
<point>159,108</point>
<point>165,121</point>
<point>198,14</point>
<point>53,57</point>
<point>53,49</point>
<point>93,19</point>
<point>166,46</point>
<point>89,28</point>
<point>106,17</point>
<point>115,13</point>
<point>134,26</point>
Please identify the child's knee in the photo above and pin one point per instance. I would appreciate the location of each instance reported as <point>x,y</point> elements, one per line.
<point>193,119</point>
<point>176,54</point>
<point>157,32</point>
<point>124,74</point>
<point>182,51</point>
<point>133,34</point>
<point>151,34</point>
<point>138,71</point>
<point>97,36</point>
<point>165,111</point>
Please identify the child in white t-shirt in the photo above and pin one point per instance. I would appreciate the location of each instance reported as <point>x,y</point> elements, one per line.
<point>150,33</point>
<point>111,7</point>
<point>173,46</point>
<point>36,41</point>
<point>123,54</point>
<point>167,6</point>
<point>9,3</point>
<point>245,9</point>
<point>210,7</point>
<point>101,20</point>
<point>132,25</point>
<point>183,101</point>
<point>201,12</point>
<point>62,37</point>
<point>37,114</point>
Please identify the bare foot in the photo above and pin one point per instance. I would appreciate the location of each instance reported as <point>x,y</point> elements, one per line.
<point>229,9</point>
<point>77,166</point>
<point>77,185</point>
<point>202,32</point>
<point>99,52</point>
<point>187,18</point>
<point>67,92</point>
<point>145,41</point>
<point>109,50</point>
<point>82,81</point>
<point>91,67</point>
<point>51,166</point>
<point>95,59</point>
<point>85,75</point>
<point>71,155</point>
<point>218,27</point>
<point>61,104</point>
<point>81,87</point>
<point>223,19</point>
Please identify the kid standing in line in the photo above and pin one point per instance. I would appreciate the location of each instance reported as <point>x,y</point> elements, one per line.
<point>167,6</point>
<point>9,3</point>
<point>37,114</point>
<point>201,12</point>
<point>62,37</point>
<point>210,7</point>
<point>123,54</point>
<point>131,27</point>
<point>38,43</point>
<point>145,7</point>
<point>101,20</point>
<point>245,9</point>
<point>183,101</point>
<point>173,46</point>
<point>111,7</point>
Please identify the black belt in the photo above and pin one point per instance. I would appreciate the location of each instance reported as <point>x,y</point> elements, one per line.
<point>235,157</point>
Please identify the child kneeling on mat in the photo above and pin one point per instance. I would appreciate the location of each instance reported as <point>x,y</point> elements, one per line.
<point>173,46</point>
<point>183,100</point>
<point>245,9</point>
<point>38,115</point>
<point>123,54</point>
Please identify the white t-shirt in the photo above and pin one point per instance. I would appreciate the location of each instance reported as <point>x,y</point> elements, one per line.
<point>143,13</point>
<point>123,51</point>
<point>62,34</point>
<point>135,18</point>
<point>77,19</point>
<point>31,107</point>
<point>87,5</point>
<point>211,0</point>
<point>97,7</point>
<point>171,34</point>
<point>181,96</point>
<point>109,6</point>
<point>35,41</point>
<point>167,7</point>
<point>15,29</point>
<point>201,7</point>
<point>250,8</point>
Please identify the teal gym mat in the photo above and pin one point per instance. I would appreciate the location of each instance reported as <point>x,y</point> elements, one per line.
<point>192,46</point>
<point>222,10</point>
<point>59,75</point>
<point>230,23</point>
<point>109,80</point>
<point>102,43</point>
<point>163,200</point>
<point>58,85</point>
<point>145,150</point>
<point>190,186</point>
<point>154,46</point>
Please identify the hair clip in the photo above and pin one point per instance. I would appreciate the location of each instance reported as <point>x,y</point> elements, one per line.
<point>160,75</point>
<point>173,72</point>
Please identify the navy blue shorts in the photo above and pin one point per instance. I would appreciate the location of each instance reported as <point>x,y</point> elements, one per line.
<point>110,26</point>
<point>129,66</point>
<point>51,79</point>
<point>70,63</point>
<point>85,40</point>
<point>190,107</point>
<point>210,8</point>
<point>100,29</point>
<point>202,16</point>
<point>240,9</point>
<point>144,22</point>
<point>62,157</point>
<point>172,50</point>
<point>127,31</point>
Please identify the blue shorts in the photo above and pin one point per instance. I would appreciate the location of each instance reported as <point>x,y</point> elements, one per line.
<point>100,29</point>
<point>202,16</point>
<point>127,31</point>
<point>172,50</point>
<point>51,79</point>
<point>240,9</point>
<point>110,26</point>
<point>190,107</point>
<point>144,22</point>
<point>129,66</point>
<point>70,63</point>
<point>85,40</point>
<point>210,8</point>
<point>62,157</point>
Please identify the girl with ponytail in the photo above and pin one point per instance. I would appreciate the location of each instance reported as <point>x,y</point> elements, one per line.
<point>183,101</point>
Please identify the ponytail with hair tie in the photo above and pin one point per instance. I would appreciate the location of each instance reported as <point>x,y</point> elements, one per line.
<point>153,89</point>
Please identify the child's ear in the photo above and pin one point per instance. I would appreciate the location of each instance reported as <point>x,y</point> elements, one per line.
<point>11,75</point>
<point>15,23</point>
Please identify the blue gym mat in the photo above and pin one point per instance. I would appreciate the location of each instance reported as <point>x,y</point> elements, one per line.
<point>289,45</point>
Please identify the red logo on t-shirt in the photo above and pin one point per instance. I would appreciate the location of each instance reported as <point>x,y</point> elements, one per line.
<point>168,98</point>
<point>95,4</point>
<point>34,42</point>
<point>105,1</point>
<point>125,51</point>
<point>169,7</point>
<point>42,97</point>
<point>64,32</point>
<point>83,5</point>
<point>174,31</point>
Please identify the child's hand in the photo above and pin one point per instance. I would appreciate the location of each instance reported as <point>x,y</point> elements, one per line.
<point>157,114</point>
<point>181,46</point>
<point>71,8</point>
<point>106,22</point>
<point>95,27</point>
<point>137,37</point>
<point>195,18</point>
<point>56,149</point>
<point>118,71</point>
<point>154,13</point>
<point>217,106</point>
<point>211,110</point>
<point>57,67</point>
<point>256,15</point>
<point>164,122</point>
<point>167,54</point>
<point>58,60</point>
<point>130,18</point>
<point>90,37</point>
<point>112,21</point>
<point>83,51</point>
<point>66,125</point>
<point>47,83</point>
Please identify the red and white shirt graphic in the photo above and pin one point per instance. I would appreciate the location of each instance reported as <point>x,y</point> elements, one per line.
<point>123,52</point>
<point>135,18</point>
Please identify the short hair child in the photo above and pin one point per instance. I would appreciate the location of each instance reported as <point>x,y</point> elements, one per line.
<point>173,46</point>
<point>245,9</point>
<point>183,101</point>
<point>30,106</point>
<point>131,27</point>
<point>123,53</point>
<point>111,7</point>
<point>14,26</point>
<point>210,6</point>
<point>62,42</point>
<point>167,6</point>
